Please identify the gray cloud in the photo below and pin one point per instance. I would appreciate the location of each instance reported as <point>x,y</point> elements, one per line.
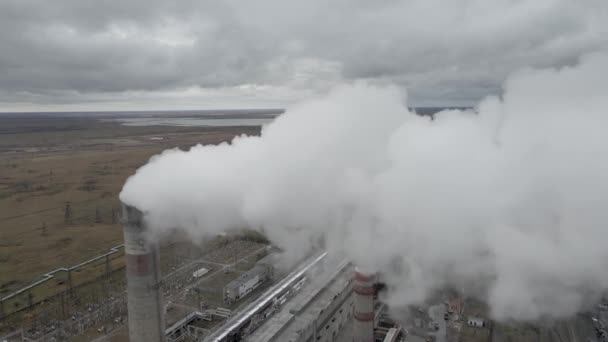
<point>454,52</point>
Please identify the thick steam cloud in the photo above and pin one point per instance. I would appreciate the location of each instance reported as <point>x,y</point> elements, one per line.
<point>508,202</point>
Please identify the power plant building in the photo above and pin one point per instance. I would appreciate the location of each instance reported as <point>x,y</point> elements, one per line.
<point>324,311</point>
<point>317,312</point>
<point>248,281</point>
<point>335,305</point>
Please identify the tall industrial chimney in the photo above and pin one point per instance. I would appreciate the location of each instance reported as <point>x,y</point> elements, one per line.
<point>363,313</point>
<point>146,319</point>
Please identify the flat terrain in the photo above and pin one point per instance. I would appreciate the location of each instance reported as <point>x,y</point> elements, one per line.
<point>59,183</point>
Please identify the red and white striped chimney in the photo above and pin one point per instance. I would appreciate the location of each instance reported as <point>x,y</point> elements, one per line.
<point>144,300</point>
<point>363,312</point>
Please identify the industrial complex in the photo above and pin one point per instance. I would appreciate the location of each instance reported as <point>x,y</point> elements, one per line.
<point>318,301</point>
<point>248,281</point>
<point>241,292</point>
<point>321,299</point>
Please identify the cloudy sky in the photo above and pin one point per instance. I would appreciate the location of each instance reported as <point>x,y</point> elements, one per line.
<point>191,54</point>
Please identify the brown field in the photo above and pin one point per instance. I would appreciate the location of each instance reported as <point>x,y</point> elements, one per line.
<point>46,163</point>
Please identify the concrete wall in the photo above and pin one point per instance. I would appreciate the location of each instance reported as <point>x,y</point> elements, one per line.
<point>335,323</point>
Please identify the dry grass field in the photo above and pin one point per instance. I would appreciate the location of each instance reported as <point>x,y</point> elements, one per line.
<point>59,185</point>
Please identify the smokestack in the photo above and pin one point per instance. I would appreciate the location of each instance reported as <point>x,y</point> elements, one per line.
<point>363,313</point>
<point>146,320</point>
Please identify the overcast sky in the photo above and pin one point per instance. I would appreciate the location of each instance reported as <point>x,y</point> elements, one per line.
<point>205,54</point>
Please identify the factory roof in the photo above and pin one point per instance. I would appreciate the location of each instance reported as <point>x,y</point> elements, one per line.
<point>314,306</point>
<point>270,259</point>
<point>245,276</point>
<point>291,316</point>
<point>242,317</point>
<point>391,335</point>
<point>272,327</point>
<point>182,322</point>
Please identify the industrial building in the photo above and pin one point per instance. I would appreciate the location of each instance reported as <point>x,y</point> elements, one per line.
<point>317,313</point>
<point>339,306</point>
<point>317,302</point>
<point>475,322</point>
<point>249,280</point>
<point>266,305</point>
<point>200,272</point>
<point>335,305</point>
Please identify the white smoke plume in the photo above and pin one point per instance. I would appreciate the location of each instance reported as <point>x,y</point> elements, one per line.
<point>509,201</point>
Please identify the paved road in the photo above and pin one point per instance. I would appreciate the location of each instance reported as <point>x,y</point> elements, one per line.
<point>436,313</point>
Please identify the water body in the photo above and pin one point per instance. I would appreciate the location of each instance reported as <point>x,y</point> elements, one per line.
<point>191,122</point>
<point>184,118</point>
<point>245,118</point>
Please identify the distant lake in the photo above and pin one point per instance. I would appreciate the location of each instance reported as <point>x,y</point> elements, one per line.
<point>168,121</point>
